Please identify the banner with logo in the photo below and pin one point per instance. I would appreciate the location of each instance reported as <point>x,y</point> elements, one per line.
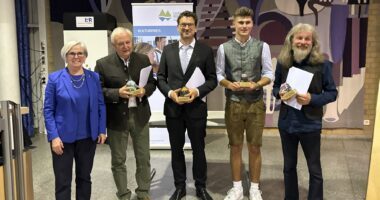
<point>157,19</point>
<point>151,20</point>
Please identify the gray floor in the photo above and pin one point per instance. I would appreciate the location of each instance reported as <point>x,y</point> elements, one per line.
<point>345,161</point>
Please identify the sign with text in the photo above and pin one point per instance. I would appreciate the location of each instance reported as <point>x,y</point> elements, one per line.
<point>151,20</point>
<point>84,21</point>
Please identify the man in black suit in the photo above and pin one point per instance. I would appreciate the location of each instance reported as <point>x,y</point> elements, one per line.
<point>127,114</point>
<point>178,62</point>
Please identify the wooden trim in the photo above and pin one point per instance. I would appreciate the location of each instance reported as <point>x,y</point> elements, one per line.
<point>373,192</point>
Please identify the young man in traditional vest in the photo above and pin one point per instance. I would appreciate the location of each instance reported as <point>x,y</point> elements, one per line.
<point>243,67</point>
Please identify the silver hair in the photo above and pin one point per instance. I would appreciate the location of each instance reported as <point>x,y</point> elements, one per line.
<point>119,30</point>
<point>69,45</point>
<point>286,55</point>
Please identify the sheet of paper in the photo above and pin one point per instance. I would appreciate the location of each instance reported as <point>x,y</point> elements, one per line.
<point>300,80</point>
<point>197,79</point>
<point>144,75</point>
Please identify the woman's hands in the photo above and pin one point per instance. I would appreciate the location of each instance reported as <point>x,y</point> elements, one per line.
<point>102,138</point>
<point>57,146</point>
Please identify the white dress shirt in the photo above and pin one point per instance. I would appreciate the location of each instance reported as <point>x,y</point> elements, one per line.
<point>189,54</point>
<point>189,51</point>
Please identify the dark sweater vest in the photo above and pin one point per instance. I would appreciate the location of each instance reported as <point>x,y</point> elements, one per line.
<point>311,112</point>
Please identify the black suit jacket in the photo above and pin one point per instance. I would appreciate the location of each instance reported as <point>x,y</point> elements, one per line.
<point>112,77</point>
<point>171,77</point>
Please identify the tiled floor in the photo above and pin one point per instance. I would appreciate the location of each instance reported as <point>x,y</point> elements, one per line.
<point>345,161</point>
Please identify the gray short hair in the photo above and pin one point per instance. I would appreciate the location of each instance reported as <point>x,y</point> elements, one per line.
<point>69,45</point>
<point>119,30</point>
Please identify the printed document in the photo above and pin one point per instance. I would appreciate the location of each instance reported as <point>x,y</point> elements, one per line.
<point>300,80</point>
<point>197,79</point>
<point>144,76</point>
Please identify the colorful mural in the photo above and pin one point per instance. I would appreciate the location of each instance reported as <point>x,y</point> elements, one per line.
<point>341,24</point>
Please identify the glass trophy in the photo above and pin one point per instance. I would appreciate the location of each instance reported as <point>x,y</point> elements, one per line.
<point>244,82</point>
<point>182,95</point>
<point>132,88</point>
<point>287,91</point>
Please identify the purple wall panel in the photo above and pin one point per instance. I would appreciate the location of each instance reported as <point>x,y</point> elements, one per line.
<point>363,41</point>
<point>273,33</point>
<point>336,73</point>
<point>338,23</point>
<point>347,71</point>
<point>355,45</point>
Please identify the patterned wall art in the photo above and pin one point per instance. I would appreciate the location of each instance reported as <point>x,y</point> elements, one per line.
<point>341,25</point>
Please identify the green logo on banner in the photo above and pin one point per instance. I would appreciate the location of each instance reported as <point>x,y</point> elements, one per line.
<point>164,15</point>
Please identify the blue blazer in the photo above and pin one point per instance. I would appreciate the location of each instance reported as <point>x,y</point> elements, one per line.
<point>59,108</point>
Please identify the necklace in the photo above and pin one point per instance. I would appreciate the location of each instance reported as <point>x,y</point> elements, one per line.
<point>77,83</point>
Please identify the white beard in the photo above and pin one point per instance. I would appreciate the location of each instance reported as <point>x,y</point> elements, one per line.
<point>300,54</point>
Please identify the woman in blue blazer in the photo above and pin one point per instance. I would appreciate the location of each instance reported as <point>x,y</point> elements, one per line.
<point>75,120</point>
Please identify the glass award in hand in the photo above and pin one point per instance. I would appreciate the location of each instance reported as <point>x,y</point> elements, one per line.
<point>131,88</point>
<point>244,82</point>
<point>182,95</point>
<point>287,92</point>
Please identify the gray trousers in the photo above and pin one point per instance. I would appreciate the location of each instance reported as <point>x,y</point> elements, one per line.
<point>118,142</point>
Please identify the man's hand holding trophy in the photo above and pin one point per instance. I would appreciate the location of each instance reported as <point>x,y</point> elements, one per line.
<point>286,92</point>
<point>133,91</point>
<point>184,95</point>
<point>132,88</point>
<point>247,85</point>
<point>244,82</point>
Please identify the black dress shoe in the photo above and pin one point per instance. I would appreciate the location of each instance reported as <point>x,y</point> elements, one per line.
<point>203,194</point>
<point>178,194</point>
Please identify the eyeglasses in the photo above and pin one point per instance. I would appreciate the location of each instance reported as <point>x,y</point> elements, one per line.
<point>73,54</point>
<point>183,25</point>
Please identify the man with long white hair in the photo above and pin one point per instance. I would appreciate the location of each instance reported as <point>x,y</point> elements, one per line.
<point>301,50</point>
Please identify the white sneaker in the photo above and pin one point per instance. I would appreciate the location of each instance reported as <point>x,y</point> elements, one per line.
<point>234,194</point>
<point>255,195</point>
